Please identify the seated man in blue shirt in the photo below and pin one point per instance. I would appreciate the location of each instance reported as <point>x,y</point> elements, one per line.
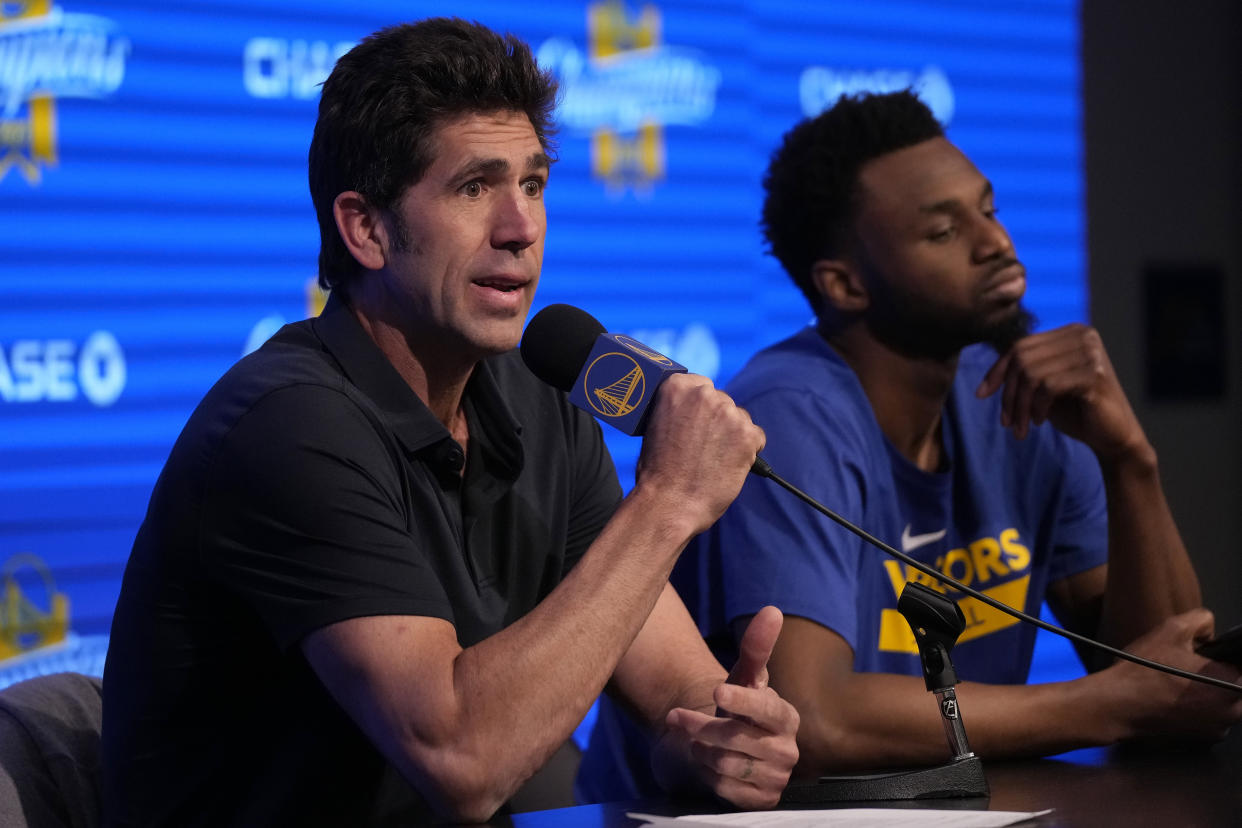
<point>921,408</point>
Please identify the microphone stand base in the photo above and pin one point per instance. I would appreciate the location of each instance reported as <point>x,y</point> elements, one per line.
<point>960,778</point>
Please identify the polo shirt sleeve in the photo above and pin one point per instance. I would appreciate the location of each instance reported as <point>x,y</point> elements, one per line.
<point>1081,540</point>
<point>595,489</point>
<point>305,517</point>
<point>770,547</point>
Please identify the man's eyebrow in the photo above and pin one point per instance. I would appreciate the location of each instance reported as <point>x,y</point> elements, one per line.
<point>496,166</point>
<point>476,167</point>
<point>539,161</point>
<point>949,205</point>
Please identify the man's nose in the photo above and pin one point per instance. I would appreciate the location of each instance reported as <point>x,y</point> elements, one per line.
<point>991,240</point>
<point>519,221</point>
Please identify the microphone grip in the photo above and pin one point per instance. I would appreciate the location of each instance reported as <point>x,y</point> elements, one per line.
<point>761,468</point>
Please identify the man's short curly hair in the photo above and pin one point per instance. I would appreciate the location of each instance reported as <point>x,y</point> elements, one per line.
<point>812,178</point>
<point>384,100</point>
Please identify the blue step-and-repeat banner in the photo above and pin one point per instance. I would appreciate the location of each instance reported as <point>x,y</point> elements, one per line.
<point>155,223</point>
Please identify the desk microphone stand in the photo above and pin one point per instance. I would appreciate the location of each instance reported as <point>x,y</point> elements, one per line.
<point>937,622</point>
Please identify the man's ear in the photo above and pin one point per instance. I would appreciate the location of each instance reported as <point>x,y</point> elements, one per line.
<point>840,285</point>
<point>362,229</point>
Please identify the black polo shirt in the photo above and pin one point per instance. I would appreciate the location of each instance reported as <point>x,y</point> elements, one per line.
<point>311,485</point>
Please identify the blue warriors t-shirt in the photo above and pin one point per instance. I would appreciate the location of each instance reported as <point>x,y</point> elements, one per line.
<point>1005,516</point>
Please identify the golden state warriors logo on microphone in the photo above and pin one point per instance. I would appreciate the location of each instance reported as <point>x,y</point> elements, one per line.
<point>619,378</point>
<point>614,383</point>
<point>639,348</point>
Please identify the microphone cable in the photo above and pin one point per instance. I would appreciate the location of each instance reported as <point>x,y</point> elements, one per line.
<point>763,469</point>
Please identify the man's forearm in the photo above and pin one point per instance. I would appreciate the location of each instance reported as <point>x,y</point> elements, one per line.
<point>889,721</point>
<point>1150,576</point>
<point>468,726</point>
<point>529,685</point>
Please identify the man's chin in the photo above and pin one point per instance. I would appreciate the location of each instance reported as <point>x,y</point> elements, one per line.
<point>943,338</point>
<point>1005,333</point>
<point>498,340</point>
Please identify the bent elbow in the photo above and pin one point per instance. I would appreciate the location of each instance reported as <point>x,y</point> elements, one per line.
<point>458,785</point>
<point>471,809</point>
<point>463,798</point>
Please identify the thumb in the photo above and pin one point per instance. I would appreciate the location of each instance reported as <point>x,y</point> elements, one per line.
<point>995,376</point>
<point>1199,624</point>
<point>751,669</point>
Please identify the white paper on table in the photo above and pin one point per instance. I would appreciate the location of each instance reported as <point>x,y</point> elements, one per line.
<point>852,817</point>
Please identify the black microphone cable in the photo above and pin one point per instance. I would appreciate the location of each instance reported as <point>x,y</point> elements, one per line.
<point>763,469</point>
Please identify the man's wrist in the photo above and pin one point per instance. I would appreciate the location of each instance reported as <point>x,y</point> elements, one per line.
<point>1136,458</point>
<point>673,519</point>
<point>1101,697</point>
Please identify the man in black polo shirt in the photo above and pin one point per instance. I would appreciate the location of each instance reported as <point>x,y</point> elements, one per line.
<point>386,571</point>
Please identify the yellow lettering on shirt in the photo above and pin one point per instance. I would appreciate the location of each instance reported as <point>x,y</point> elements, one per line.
<point>981,561</point>
<point>986,554</point>
<point>895,576</point>
<point>1016,555</point>
<point>957,565</point>
<point>981,619</point>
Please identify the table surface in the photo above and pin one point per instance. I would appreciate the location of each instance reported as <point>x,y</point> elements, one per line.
<point>1175,786</point>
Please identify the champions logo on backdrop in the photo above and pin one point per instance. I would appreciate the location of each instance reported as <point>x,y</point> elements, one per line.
<point>47,54</point>
<point>820,86</point>
<point>626,89</point>
<point>998,567</point>
<point>35,638</point>
<point>33,614</point>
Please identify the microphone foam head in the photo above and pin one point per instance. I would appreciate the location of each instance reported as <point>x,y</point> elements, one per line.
<point>557,342</point>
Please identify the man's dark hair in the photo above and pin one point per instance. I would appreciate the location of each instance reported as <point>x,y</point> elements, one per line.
<point>812,178</point>
<point>386,97</point>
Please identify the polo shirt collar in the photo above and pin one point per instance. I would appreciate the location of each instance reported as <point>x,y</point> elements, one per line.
<point>496,427</point>
<point>366,366</point>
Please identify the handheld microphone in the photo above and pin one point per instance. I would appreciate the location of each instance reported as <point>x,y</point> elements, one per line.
<point>612,376</point>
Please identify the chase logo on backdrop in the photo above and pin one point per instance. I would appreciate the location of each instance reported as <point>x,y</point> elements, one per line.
<point>59,370</point>
<point>626,89</point>
<point>47,54</point>
<point>277,67</point>
<point>263,330</point>
<point>820,86</point>
<point>614,382</point>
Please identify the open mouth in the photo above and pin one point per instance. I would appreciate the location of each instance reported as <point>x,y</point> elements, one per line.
<point>502,285</point>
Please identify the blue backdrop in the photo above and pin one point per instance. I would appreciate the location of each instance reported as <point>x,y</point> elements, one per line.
<point>155,223</point>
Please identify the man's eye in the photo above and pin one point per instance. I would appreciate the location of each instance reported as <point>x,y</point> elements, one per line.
<point>532,187</point>
<point>941,235</point>
<point>474,189</point>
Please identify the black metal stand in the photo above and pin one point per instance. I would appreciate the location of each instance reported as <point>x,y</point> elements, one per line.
<point>937,622</point>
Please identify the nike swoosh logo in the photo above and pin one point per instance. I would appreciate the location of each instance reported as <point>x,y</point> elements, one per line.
<point>911,542</point>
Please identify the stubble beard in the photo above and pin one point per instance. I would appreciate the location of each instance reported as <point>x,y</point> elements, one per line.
<point>912,327</point>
